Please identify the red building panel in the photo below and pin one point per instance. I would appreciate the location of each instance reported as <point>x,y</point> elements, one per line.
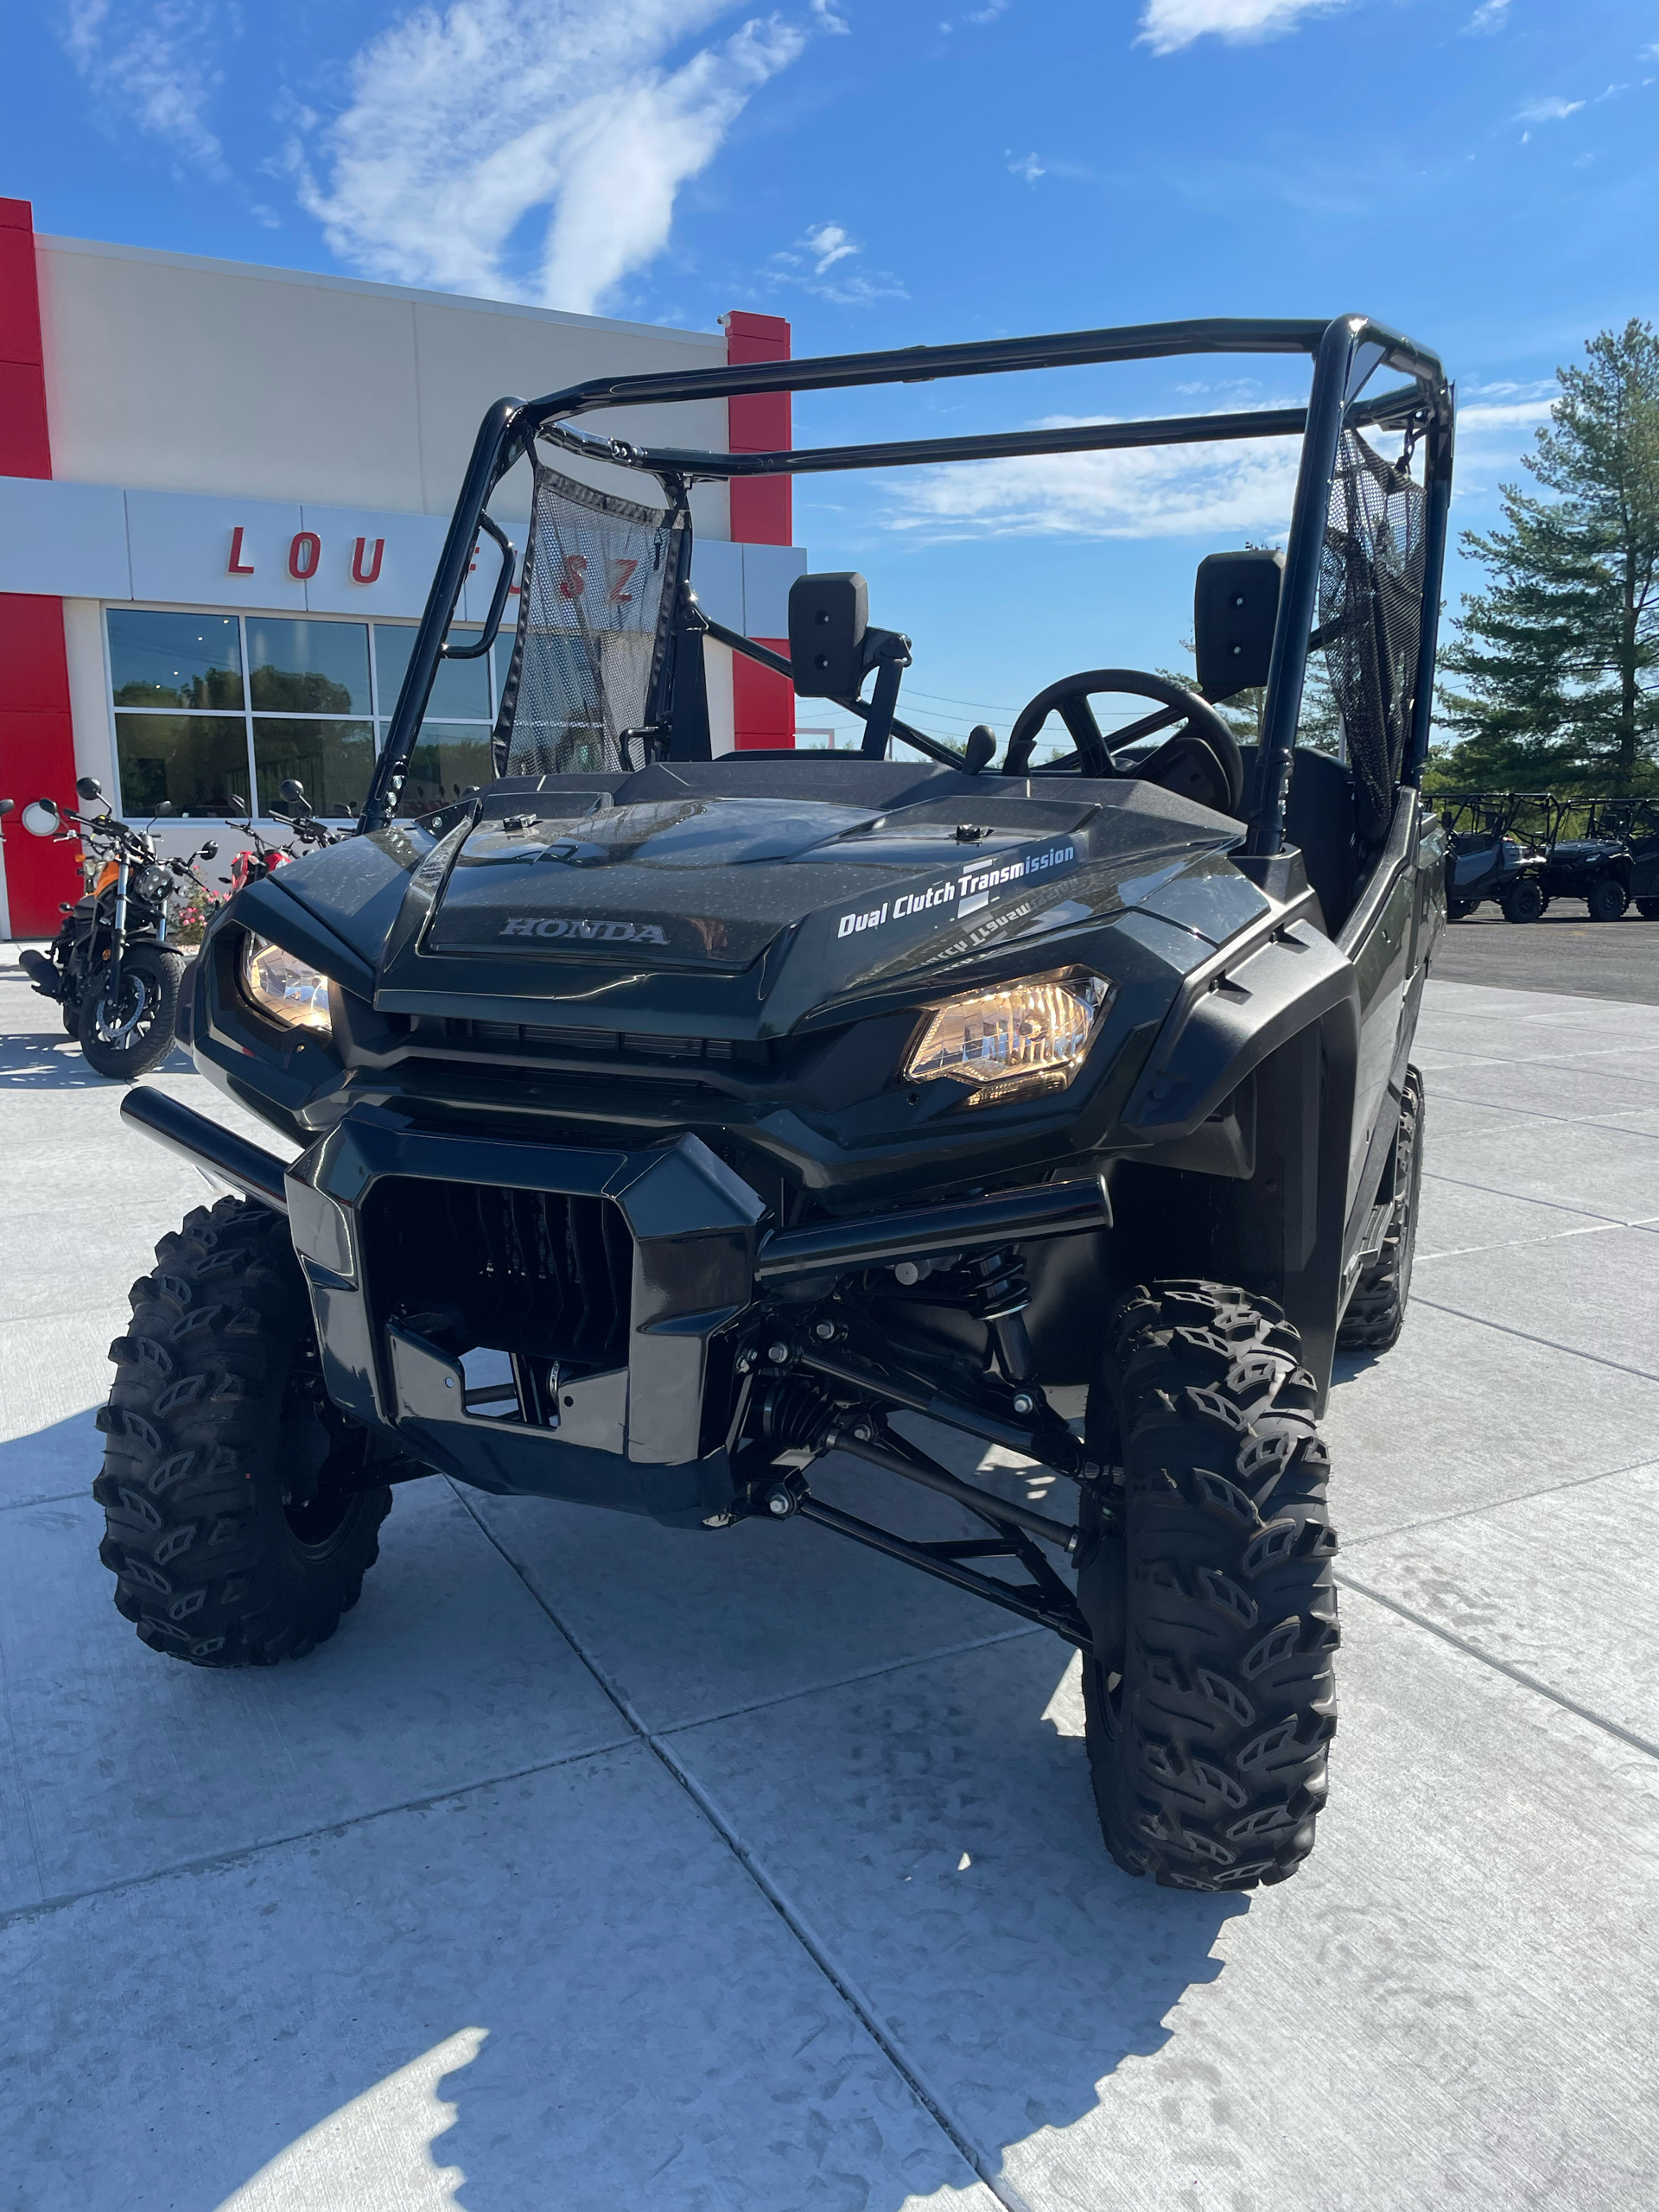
<point>37,742</point>
<point>762,514</point>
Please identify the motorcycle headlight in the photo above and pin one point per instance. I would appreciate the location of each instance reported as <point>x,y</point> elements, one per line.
<point>284,988</point>
<point>1010,1043</point>
<point>155,884</point>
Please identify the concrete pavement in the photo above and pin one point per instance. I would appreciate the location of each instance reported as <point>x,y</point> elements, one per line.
<point>592,1865</point>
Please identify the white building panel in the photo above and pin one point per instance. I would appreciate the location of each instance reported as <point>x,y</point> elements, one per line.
<point>193,552</point>
<point>63,540</point>
<point>768,572</point>
<point>717,574</point>
<point>379,565</point>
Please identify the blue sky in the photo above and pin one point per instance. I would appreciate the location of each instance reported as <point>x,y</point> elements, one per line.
<point>1481,173</point>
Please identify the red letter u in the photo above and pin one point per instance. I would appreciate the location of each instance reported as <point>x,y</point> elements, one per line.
<point>358,576</point>
<point>304,554</point>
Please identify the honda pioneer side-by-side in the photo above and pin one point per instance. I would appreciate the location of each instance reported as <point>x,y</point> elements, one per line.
<point>669,1121</point>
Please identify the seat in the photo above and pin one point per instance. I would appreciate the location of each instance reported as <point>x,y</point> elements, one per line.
<point>1319,818</point>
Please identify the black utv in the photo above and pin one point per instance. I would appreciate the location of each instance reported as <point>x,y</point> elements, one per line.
<point>1606,852</point>
<point>1489,855</point>
<point>669,1120</point>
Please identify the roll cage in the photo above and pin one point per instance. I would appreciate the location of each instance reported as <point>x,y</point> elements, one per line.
<point>1347,352</point>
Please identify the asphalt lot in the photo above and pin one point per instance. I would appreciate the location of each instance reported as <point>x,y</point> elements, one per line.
<point>1563,951</point>
<point>601,1868</point>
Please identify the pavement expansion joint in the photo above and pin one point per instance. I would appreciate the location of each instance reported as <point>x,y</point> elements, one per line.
<point>1499,1666</point>
<point>1558,1206</point>
<point>1493,1505</point>
<point>846,1681</point>
<point>1526,1336</point>
<point>861,2008</point>
<point>211,1861</point>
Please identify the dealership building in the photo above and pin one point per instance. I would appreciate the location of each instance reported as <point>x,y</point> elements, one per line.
<point>223,493</point>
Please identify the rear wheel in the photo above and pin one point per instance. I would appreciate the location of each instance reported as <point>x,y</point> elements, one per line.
<point>1458,910</point>
<point>242,1508</point>
<point>1207,1582</point>
<point>1522,901</point>
<point>1607,900</point>
<point>1376,1311</point>
<point>126,1032</point>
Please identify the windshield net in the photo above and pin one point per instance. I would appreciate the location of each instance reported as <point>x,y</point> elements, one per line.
<point>596,599</point>
<point>1371,614</point>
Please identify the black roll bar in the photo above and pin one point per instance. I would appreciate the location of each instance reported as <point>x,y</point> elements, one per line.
<point>1351,349</point>
<point>1346,353</point>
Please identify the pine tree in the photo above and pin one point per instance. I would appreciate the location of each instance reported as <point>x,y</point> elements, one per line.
<point>1560,657</point>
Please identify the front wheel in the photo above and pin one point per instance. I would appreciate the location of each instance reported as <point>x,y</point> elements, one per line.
<point>1458,910</point>
<point>126,1032</point>
<point>1649,909</point>
<point>242,1508</point>
<point>1207,1584</point>
<point>1607,900</point>
<point>1522,902</point>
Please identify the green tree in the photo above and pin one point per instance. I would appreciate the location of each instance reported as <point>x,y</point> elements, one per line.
<point>1560,657</point>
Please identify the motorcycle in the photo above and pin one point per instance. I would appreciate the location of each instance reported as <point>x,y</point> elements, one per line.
<point>110,969</point>
<point>303,823</point>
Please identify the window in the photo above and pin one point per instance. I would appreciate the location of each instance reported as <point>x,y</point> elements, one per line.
<point>453,752</point>
<point>212,710</point>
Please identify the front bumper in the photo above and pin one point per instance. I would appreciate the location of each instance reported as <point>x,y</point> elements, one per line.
<point>648,1426</point>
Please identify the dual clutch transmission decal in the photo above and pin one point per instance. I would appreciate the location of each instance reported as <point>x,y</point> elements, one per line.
<point>966,893</point>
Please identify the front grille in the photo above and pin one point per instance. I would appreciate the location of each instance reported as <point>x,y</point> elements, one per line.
<point>619,1044</point>
<point>530,1272</point>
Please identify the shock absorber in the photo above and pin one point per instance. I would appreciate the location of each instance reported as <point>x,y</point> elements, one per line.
<point>793,1415</point>
<point>998,1296</point>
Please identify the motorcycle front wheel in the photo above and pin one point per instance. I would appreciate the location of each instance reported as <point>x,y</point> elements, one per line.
<point>126,1033</point>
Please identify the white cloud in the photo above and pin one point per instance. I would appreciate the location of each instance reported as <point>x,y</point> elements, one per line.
<point>824,247</point>
<point>1491,15</point>
<point>1244,488</point>
<point>1145,491</point>
<point>1168,25</point>
<point>464,125</point>
<point>1547,111</point>
<point>828,243</point>
<point>150,63</point>
<point>1029,167</point>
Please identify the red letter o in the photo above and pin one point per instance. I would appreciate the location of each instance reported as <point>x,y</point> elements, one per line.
<point>304,552</point>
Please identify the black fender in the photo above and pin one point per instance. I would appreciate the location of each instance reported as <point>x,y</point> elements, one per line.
<point>1245,1110</point>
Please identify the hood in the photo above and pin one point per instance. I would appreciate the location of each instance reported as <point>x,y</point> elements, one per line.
<point>714,884</point>
<point>713,898</point>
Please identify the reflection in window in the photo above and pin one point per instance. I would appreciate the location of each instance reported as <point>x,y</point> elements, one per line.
<point>175,660</point>
<point>307,668</point>
<point>195,761</point>
<point>461,689</point>
<point>450,758</point>
<point>332,759</point>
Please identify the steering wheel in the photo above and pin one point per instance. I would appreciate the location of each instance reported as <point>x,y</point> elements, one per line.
<point>1201,762</point>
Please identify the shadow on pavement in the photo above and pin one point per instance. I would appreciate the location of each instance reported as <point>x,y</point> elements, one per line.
<point>52,1061</point>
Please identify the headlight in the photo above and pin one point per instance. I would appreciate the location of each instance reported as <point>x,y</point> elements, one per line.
<point>284,988</point>
<point>1009,1042</point>
<point>155,884</point>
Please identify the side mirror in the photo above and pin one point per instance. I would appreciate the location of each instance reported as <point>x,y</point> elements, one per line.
<point>828,617</point>
<point>165,811</point>
<point>1235,611</point>
<point>40,818</point>
<point>6,805</point>
<point>239,801</point>
<point>88,787</point>
<point>209,851</point>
